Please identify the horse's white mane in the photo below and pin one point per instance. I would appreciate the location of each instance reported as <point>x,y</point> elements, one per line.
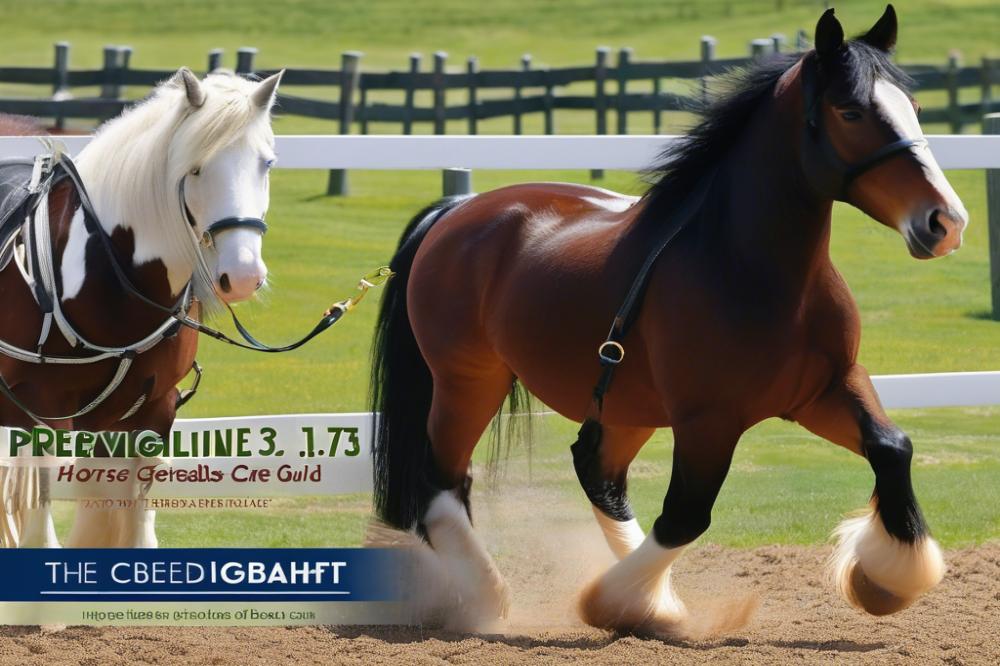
<point>134,164</point>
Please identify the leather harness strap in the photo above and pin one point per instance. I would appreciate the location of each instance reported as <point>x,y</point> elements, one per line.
<point>39,274</point>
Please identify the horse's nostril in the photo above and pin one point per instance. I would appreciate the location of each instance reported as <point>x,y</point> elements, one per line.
<point>937,229</point>
<point>224,283</point>
<point>259,284</point>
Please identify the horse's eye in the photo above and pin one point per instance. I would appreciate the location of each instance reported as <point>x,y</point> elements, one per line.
<point>196,171</point>
<point>268,164</point>
<point>851,116</point>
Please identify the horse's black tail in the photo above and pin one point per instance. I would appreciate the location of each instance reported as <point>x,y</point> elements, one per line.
<point>401,389</point>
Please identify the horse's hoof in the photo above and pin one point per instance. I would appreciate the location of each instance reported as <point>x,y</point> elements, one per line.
<point>878,573</point>
<point>872,598</point>
<point>633,611</point>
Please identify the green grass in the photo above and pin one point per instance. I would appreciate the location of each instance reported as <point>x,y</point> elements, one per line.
<point>786,486</point>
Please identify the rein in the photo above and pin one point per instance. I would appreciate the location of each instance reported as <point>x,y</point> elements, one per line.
<point>39,274</point>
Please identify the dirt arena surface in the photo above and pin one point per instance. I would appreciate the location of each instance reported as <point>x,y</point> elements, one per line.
<point>798,621</point>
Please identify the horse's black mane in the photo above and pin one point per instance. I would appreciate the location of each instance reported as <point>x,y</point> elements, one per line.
<point>726,115</point>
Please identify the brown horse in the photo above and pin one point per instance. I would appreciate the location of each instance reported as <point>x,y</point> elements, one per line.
<point>744,318</point>
<point>189,164</point>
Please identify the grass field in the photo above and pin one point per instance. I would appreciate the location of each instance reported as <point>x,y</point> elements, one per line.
<point>786,486</point>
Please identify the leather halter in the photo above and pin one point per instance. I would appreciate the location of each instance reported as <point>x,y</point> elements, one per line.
<point>835,174</point>
<point>217,227</point>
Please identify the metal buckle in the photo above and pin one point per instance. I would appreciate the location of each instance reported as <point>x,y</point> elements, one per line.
<point>611,352</point>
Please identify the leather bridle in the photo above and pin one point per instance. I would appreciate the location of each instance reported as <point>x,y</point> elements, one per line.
<point>831,175</point>
<point>217,227</point>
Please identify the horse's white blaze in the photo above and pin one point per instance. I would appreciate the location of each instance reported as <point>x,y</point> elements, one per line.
<point>478,588</point>
<point>905,570</point>
<point>896,108</point>
<point>636,592</point>
<point>622,537</point>
<point>234,183</point>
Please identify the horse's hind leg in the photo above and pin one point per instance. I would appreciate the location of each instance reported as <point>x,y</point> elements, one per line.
<point>602,468</point>
<point>635,595</point>
<point>884,559</point>
<point>462,408</point>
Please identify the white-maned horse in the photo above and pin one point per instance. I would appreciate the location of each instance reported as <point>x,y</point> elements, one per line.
<point>178,190</point>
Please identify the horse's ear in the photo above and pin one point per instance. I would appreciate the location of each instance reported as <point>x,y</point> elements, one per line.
<point>829,35</point>
<point>192,86</point>
<point>883,33</point>
<point>265,93</point>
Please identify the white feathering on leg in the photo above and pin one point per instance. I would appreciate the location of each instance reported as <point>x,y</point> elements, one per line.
<point>482,593</point>
<point>636,593</point>
<point>902,569</point>
<point>623,537</point>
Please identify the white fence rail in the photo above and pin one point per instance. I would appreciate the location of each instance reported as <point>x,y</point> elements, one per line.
<point>629,153</point>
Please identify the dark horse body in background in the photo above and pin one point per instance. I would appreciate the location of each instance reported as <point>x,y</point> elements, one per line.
<point>744,318</point>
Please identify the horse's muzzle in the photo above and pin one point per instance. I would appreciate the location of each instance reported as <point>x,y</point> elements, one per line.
<point>935,232</point>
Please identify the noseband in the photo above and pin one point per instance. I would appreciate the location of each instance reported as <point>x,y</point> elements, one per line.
<point>835,175</point>
<point>217,227</point>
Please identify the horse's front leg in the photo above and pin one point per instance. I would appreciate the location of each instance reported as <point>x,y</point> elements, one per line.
<point>602,469</point>
<point>885,558</point>
<point>635,595</point>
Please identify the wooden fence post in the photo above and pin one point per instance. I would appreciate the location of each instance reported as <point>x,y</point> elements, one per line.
<point>362,117</point>
<point>624,58</point>
<point>124,59</point>
<point>707,56</point>
<point>410,93</point>
<point>986,93</point>
<point>456,182</point>
<point>777,42</point>
<point>549,104</point>
<point>954,107</point>
<point>214,59</point>
<point>991,125</point>
<point>350,73</point>
<point>600,99</point>
<point>111,87</point>
<point>471,70</point>
<point>60,79</point>
<point>657,104</point>
<point>525,66</point>
<point>760,48</point>
<point>801,40</point>
<point>244,60</point>
<point>440,92</point>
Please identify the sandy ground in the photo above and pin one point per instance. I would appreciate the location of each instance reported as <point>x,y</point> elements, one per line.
<point>547,559</point>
